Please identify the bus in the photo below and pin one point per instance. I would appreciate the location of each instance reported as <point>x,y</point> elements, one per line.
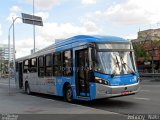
<point>82,67</point>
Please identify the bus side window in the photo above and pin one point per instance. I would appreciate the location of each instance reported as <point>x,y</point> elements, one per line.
<point>48,65</point>
<point>67,63</point>
<point>41,70</point>
<point>26,66</point>
<point>57,64</point>
<point>33,65</point>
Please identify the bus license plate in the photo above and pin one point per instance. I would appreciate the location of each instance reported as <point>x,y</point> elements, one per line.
<point>125,93</point>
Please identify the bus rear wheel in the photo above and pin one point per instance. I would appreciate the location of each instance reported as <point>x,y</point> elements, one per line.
<point>68,94</point>
<point>27,89</point>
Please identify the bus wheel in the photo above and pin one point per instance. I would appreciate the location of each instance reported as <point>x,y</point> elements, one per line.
<point>69,94</point>
<point>28,90</point>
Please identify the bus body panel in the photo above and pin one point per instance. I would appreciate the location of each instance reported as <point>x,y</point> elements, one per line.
<point>119,80</point>
<point>54,85</point>
<point>104,91</point>
<point>118,85</point>
<point>93,91</point>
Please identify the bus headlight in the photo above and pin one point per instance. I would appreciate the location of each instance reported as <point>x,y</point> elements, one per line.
<point>101,81</point>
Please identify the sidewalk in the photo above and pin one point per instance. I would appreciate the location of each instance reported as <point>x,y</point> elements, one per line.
<point>5,80</point>
<point>21,103</point>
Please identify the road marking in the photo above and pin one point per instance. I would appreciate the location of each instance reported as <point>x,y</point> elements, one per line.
<point>141,98</point>
<point>145,90</point>
<point>150,85</point>
<point>6,84</point>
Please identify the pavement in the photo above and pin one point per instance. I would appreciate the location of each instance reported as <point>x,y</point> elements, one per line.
<point>21,103</point>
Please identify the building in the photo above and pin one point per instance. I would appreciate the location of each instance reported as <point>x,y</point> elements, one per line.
<point>147,36</point>
<point>149,41</point>
<point>4,52</point>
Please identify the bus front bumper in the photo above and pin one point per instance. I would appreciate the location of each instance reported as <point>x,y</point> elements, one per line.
<point>104,91</point>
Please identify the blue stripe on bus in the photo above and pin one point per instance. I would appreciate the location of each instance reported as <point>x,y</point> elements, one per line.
<point>119,80</point>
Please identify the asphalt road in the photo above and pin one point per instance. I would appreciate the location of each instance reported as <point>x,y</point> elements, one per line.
<point>147,101</point>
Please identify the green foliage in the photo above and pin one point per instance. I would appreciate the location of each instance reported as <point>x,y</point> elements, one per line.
<point>3,66</point>
<point>140,52</point>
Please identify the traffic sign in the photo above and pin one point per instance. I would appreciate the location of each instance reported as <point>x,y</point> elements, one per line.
<point>31,19</point>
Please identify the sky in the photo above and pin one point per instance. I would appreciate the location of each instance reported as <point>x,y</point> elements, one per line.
<point>67,18</point>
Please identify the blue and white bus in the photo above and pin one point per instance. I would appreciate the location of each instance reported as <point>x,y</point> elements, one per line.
<point>81,67</point>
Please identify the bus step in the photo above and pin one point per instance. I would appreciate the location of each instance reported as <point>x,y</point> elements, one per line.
<point>83,97</point>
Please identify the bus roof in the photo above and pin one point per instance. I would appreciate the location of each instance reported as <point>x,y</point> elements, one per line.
<point>74,42</point>
<point>87,38</point>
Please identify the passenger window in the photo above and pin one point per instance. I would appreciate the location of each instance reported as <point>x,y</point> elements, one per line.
<point>41,70</point>
<point>57,64</point>
<point>26,66</point>
<point>34,62</point>
<point>33,65</point>
<point>48,60</point>
<point>67,63</point>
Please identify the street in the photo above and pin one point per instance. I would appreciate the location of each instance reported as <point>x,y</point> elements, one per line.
<point>145,102</point>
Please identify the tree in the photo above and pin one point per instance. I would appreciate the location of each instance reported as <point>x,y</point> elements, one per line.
<point>140,51</point>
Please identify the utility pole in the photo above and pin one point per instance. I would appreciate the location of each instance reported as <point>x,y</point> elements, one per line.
<point>9,72</point>
<point>34,37</point>
<point>152,60</point>
<point>152,55</point>
<point>14,51</point>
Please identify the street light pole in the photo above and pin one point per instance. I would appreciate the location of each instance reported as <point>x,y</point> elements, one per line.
<point>14,51</point>
<point>34,49</point>
<point>9,72</point>
<point>9,52</point>
<point>12,25</point>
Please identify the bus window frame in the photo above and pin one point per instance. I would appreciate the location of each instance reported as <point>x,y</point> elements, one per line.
<point>71,62</point>
<point>28,69</point>
<point>41,67</point>
<point>57,65</point>
<point>51,66</point>
<point>33,69</point>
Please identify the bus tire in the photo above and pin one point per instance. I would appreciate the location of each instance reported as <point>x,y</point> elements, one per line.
<point>68,94</point>
<point>27,89</point>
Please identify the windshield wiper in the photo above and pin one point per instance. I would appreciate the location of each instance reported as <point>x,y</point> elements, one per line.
<point>125,64</point>
<point>117,63</point>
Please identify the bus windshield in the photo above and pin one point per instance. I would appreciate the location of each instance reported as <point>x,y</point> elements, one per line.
<point>116,59</point>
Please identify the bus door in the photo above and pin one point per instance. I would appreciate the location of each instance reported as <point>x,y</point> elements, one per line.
<point>20,74</point>
<point>82,64</point>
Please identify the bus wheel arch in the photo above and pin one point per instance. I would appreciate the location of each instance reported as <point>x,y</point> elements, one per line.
<point>67,92</point>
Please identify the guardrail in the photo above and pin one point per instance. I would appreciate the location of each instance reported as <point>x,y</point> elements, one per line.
<point>149,74</point>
